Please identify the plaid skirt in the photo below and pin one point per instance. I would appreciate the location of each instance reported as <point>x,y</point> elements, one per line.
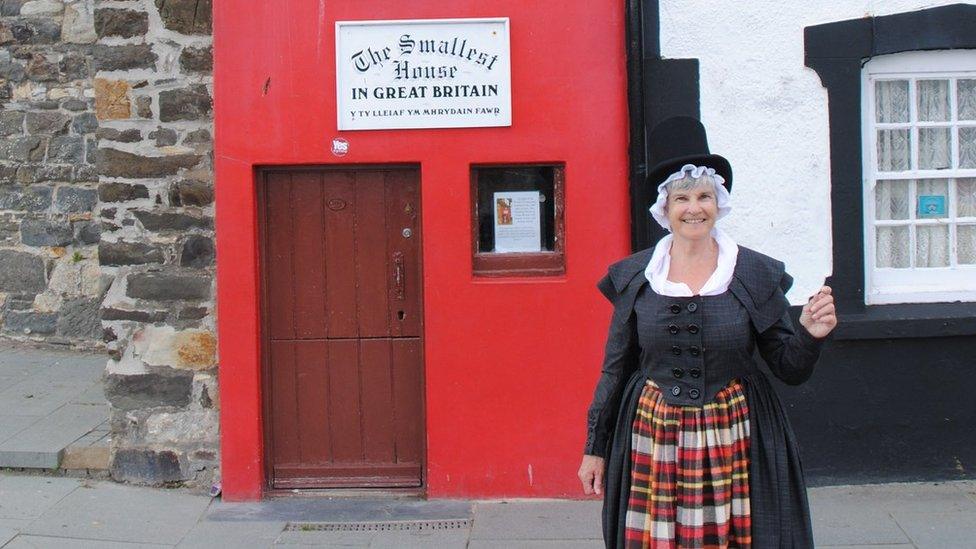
<point>690,472</point>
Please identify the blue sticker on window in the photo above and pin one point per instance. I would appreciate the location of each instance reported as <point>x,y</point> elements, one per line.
<point>931,206</point>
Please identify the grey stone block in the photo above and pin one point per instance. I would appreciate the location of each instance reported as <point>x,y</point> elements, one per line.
<point>168,287</point>
<point>198,252</point>
<point>197,60</point>
<point>191,103</point>
<point>21,272</point>
<point>197,137</point>
<point>128,253</point>
<point>75,199</point>
<point>186,16</point>
<point>146,466</point>
<point>87,232</point>
<point>49,172</point>
<point>84,123</point>
<point>171,221</point>
<point>29,322</point>
<point>75,105</point>
<point>121,192</point>
<point>126,57</point>
<point>121,22</point>
<point>66,149</point>
<point>116,163</point>
<point>141,391</point>
<point>112,512</point>
<point>54,123</point>
<point>23,149</point>
<point>125,136</point>
<point>74,65</point>
<point>46,232</point>
<point>32,199</point>
<point>11,122</point>
<point>80,319</point>
<point>191,193</point>
<point>163,136</point>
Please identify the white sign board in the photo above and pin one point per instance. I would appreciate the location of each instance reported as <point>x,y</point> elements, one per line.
<point>518,225</point>
<point>434,73</point>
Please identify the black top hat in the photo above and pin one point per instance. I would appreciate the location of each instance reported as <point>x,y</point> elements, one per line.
<point>677,141</point>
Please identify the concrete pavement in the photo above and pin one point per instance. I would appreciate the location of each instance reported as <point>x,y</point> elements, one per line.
<point>59,512</point>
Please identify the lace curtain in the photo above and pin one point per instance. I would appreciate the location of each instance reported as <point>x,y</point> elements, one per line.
<point>896,199</point>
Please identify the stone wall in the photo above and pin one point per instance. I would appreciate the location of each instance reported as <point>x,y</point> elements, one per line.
<point>152,89</point>
<point>50,282</point>
<point>106,212</point>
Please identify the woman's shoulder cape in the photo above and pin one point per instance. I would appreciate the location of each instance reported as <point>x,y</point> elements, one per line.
<point>759,282</point>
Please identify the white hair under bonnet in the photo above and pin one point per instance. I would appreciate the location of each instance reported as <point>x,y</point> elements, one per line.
<point>722,196</point>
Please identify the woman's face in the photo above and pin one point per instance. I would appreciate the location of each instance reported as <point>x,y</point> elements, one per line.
<point>692,212</point>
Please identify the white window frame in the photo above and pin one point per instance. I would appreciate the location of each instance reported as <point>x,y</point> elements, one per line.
<point>913,285</point>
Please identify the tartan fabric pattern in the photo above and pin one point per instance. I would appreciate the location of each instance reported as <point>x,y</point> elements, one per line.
<point>690,472</point>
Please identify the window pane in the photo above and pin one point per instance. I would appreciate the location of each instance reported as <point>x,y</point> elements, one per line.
<point>966,240</point>
<point>966,197</point>
<point>891,100</point>
<point>966,96</point>
<point>933,100</point>
<point>894,150</point>
<point>891,199</point>
<point>933,148</point>
<point>932,199</point>
<point>507,197</point>
<point>967,147</point>
<point>932,246</point>
<point>892,247</point>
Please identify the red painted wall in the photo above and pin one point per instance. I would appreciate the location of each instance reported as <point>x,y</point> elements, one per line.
<point>510,364</point>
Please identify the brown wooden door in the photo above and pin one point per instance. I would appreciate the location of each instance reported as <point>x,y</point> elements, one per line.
<point>343,325</point>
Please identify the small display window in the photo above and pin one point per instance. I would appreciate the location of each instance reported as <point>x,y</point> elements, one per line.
<point>518,220</point>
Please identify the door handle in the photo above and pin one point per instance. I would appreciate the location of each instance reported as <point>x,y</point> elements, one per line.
<point>398,275</point>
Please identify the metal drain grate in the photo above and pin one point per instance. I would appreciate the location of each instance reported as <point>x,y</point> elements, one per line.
<point>398,525</point>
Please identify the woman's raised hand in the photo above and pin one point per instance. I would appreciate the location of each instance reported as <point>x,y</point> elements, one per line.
<point>818,316</point>
<point>591,474</point>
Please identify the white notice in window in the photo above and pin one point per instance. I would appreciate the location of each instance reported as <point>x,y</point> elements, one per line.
<point>517,222</point>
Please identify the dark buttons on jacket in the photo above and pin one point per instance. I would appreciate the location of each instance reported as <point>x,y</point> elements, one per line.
<point>692,307</point>
<point>694,350</point>
<point>675,390</point>
<point>677,372</point>
<point>694,394</point>
<point>676,350</point>
<point>673,328</point>
<point>695,372</point>
<point>693,328</point>
<point>675,308</point>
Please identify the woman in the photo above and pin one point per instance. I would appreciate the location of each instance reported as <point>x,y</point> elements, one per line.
<point>687,441</point>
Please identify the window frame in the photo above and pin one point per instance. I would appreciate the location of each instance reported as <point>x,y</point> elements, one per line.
<point>521,264</point>
<point>914,284</point>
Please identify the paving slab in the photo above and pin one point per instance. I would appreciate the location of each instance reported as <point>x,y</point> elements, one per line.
<point>42,445</point>
<point>208,534</point>
<point>340,509</point>
<point>7,534</point>
<point>324,539</point>
<point>446,539</point>
<point>851,516</point>
<point>538,520</point>
<point>50,542</point>
<point>82,368</point>
<point>11,425</point>
<point>38,395</point>
<point>93,394</point>
<point>931,531</point>
<point>114,512</point>
<point>537,544</point>
<point>28,497</point>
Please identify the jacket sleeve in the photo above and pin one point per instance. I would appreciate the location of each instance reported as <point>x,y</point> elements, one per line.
<point>621,357</point>
<point>790,353</point>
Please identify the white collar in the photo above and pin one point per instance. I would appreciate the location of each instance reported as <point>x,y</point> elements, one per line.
<point>660,263</point>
